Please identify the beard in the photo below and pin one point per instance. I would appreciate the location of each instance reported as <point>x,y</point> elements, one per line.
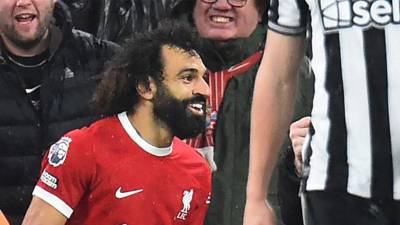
<point>23,42</point>
<point>175,113</point>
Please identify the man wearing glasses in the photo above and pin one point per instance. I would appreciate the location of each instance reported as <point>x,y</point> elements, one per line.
<point>227,19</point>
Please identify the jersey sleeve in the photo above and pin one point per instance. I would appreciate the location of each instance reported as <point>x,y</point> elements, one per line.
<point>67,170</point>
<point>289,17</point>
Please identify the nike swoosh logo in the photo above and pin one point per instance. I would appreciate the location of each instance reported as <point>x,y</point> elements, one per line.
<point>120,194</point>
<point>30,90</point>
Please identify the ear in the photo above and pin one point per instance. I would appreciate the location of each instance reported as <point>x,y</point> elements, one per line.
<point>147,92</point>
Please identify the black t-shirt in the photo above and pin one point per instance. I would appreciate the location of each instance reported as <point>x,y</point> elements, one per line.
<point>30,70</point>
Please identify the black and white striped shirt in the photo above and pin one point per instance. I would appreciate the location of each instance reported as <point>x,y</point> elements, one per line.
<point>356,116</point>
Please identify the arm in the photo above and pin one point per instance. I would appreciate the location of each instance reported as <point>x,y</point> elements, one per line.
<point>3,219</point>
<point>42,213</point>
<point>274,95</point>
<point>297,134</point>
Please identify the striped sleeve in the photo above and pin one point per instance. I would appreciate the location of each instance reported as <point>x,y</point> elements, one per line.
<point>289,17</point>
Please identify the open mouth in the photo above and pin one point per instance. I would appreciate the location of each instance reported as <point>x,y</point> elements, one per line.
<point>196,108</point>
<point>25,18</point>
<point>221,19</point>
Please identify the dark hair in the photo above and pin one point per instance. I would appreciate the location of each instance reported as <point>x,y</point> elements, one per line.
<point>140,59</point>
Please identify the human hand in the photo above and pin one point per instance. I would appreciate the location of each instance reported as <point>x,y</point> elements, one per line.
<point>297,134</point>
<point>258,212</point>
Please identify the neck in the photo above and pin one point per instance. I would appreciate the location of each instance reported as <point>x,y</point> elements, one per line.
<point>154,131</point>
<point>40,47</point>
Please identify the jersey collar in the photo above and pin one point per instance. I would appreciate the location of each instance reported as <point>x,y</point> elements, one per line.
<point>133,134</point>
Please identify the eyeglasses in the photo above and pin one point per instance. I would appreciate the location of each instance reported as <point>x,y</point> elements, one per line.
<point>234,3</point>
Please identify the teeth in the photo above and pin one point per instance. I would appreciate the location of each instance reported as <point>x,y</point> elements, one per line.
<point>197,106</point>
<point>220,19</point>
<point>24,17</point>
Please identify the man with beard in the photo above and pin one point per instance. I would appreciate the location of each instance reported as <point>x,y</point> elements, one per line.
<point>130,168</point>
<point>48,72</point>
<point>236,31</point>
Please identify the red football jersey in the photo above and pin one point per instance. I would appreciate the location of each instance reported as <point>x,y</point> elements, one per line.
<point>108,174</point>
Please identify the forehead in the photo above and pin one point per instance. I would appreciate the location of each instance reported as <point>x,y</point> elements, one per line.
<point>177,59</point>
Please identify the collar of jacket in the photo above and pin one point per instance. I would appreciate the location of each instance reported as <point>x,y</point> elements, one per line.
<point>222,55</point>
<point>60,29</point>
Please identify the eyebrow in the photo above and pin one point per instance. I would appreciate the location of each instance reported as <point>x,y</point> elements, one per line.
<point>191,70</point>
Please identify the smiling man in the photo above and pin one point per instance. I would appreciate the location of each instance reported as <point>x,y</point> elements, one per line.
<point>131,168</point>
<point>25,25</point>
<point>224,20</point>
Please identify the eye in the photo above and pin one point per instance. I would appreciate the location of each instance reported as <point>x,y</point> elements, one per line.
<point>188,78</point>
<point>206,76</point>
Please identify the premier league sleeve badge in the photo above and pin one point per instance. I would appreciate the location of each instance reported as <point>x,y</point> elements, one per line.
<point>58,151</point>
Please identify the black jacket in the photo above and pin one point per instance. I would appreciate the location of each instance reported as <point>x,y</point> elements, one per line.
<point>121,18</point>
<point>69,78</point>
<point>232,136</point>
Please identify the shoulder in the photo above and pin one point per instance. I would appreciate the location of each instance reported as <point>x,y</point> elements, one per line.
<point>69,150</point>
<point>75,139</point>
<point>78,143</point>
<point>184,149</point>
<point>83,54</point>
<point>191,157</point>
<point>90,43</point>
<point>86,136</point>
<point>194,164</point>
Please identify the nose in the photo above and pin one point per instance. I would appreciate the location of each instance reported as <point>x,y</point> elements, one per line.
<point>221,5</point>
<point>22,3</point>
<point>202,88</point>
